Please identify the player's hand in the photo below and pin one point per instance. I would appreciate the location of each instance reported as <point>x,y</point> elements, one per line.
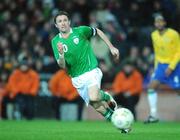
<point>168,71</point>
<point>115,53</point>
<point>60,48</point>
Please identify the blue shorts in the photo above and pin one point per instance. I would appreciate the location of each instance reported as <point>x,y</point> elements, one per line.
<point>172,80</point>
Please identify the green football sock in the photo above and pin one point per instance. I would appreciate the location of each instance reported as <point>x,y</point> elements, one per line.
<point>104,96</point>
<point>108,114</point>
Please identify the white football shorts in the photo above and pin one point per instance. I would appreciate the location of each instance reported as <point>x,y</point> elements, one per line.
<point>86,80</point>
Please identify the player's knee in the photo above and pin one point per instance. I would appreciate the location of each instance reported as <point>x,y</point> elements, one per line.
<point>94,96</point>
<point>94,93</point>
<point>153,85</point>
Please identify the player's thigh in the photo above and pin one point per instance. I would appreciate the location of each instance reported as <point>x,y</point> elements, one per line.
<point>94,83</point>
<point>93,92</point>
<point>154,84</point>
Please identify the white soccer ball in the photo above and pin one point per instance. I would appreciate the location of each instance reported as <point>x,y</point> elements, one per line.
<point>122,118</point>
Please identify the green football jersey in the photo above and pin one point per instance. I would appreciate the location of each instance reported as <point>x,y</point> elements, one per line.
<point>78,53</point>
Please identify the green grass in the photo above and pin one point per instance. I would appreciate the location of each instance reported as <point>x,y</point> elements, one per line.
<point>87,130</point>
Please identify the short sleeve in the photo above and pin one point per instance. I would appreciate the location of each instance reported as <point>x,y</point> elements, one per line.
<point>87,31</point>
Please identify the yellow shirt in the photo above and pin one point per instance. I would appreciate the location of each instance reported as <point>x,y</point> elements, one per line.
<point>166,47</point>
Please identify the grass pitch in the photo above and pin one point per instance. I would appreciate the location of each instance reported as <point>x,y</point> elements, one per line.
<point>85,130</point>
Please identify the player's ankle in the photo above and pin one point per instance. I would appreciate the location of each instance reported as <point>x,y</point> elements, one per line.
<point>108,114</point>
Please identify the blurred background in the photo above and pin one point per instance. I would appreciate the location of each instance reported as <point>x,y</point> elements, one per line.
<point>33,87</point>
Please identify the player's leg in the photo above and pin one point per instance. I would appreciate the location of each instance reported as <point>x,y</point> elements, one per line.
<point>94,85</point>
<point>103,108</point>
<point>100,95</point>
<point>105,96</point>
<point>99,101</point>
<point>152,100</point>
<point>157,77</point>
<point>88,86</point>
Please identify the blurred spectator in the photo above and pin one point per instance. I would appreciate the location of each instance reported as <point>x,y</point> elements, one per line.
<point>134,53</point>
<point>107,71</point>
<point>23,86</point>
<point>9,60</point>
<point>116,9</point>
<point>145,65</point>
<point>126,22</point>
<point>101,50</point>
<point>38,65</point>
<point>80,6</point>
<point>127,86</point>
<point>93,20</point>
<point>63,92</point>
<point>135,57</point>
<point>143,62</point>
<point>3,94</point>
<point>103,13</point>
<point>115,33</point>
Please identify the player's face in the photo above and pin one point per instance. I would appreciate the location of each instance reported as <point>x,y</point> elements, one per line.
<point>63,23</point>
<point>160,24</point>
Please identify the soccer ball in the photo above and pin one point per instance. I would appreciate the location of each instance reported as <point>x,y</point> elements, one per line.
<point>122,118</point>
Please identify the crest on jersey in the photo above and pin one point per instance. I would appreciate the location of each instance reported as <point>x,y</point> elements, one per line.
<point>76,40</point>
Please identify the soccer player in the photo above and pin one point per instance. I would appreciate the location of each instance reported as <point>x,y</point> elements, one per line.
<point>73,52</point>
<point>166,44</point>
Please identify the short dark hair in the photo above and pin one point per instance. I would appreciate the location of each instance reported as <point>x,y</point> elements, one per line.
<point>61,13</point>
<point>159,16</point>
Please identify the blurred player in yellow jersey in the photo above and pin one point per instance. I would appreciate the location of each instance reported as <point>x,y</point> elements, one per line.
<point>166,44</point>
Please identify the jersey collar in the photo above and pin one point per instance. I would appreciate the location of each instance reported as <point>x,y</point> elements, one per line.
<point>71,31</point>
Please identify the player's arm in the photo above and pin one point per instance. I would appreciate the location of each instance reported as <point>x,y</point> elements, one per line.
<point>58,53</point>
<point>114,51</point>
<point>61,61</point>
<point>176,58</point>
